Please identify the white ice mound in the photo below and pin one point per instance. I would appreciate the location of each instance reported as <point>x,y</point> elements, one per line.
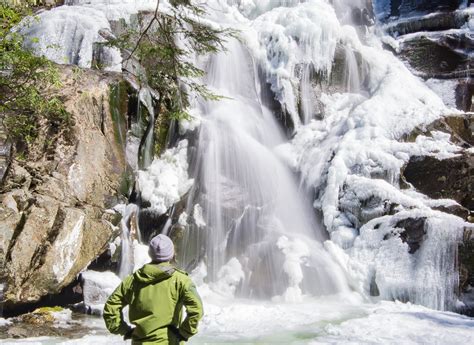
<point>288,37</point>
<point>166,180</point>
<point>66,35</point>
<point>97,287</point>
<point>353,156</point>
<point>117,9</point>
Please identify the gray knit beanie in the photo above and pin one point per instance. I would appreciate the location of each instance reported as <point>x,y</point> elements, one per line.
<point>161,248</point>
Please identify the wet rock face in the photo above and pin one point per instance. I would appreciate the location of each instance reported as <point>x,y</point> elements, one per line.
<point>440,57</point>
<point>52,204</point>
<point>434,40</point>
<point>466,260</point>
<point>451,178</point>
<point>406,7</point>
<point>413,233</point>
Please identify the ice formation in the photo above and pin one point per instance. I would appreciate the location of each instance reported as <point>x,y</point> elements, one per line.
<point>243,189</point>
<point>66,35</point>
<point>97,287</point>
<point>250,220</point>
<point>166,180</point>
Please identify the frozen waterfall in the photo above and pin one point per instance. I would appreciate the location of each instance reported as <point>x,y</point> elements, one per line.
<point>255,214</point>
<point>315,214</point>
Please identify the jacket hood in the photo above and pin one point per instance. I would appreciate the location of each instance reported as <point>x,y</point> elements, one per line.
<point>154,273</point>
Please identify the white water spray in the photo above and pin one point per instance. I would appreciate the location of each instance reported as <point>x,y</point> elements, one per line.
<point>253,209</point>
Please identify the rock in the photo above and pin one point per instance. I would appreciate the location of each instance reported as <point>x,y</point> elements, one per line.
<point>53,222</point>
<point>360,211</point>
<point>45,322</point>
<point>435,22</point>
<point>438,56</point>
<point>435,46</point>
<point>466,261</point>
<point>41,316</point>
<point>402,8</point>
<point>5,153</point>
<point>413,233</point>
<point>457,181</point>
<point>464,96</point>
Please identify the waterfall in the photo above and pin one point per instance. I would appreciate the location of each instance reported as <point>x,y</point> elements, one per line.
<point>129,233</point>
<point>146,149</point>
<point>307,98</point>
<point>248,218</point>
<point>351,71</point>
<point>255,214</point>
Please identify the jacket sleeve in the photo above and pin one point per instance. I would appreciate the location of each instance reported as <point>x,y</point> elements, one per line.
<point>194,311</point>
<point>113,315</point>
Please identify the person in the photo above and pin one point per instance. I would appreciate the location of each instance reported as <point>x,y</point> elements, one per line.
<point>155,294</point>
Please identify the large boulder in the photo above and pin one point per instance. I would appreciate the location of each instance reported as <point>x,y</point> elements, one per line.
<point>433,38</point>
<point>52,213</point>
<point>403,8</point>
<point>451,178</point>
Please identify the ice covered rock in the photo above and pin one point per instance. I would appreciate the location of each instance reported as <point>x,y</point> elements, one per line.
<point>386,9</point>
<point>97,287</point>
<point>448,178</point>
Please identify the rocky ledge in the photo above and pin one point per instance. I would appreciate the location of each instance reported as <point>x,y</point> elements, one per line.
<point>52,219</point>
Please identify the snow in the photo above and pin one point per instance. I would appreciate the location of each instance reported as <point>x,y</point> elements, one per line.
<point>287,37</point>
<point>446,89</point>
<point>116,9</point>
<point>62,318</point>
<point>396,323</point>
<point>166,180</point>
<point>68,34</point>
<point>97,287</point>
<point>4,322</point>
<point>190,123</point>
<point>380,256</point>
<point>183,219</point>
<point>315,321</point>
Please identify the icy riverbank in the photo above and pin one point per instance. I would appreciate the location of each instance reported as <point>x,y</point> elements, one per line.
<point>329,320</point>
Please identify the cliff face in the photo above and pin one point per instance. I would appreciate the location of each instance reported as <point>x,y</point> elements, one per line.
<point>52,213</point>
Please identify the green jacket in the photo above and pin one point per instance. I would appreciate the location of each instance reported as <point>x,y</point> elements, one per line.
<point>156,294</point>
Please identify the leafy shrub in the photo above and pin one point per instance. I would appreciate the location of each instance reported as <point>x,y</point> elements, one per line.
<point>25,81</point>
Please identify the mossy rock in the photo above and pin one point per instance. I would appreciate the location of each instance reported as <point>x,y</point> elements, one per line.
<point>40,316</point>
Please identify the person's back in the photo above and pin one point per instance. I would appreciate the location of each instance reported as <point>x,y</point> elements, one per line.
<point>156,294</point>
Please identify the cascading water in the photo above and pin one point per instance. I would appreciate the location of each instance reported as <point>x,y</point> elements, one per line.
<point>253,209</point>
<point>146,149</point>
<point>250,229</point>
<point>307,95</point>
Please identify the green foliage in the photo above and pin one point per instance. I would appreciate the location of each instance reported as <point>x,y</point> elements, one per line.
<point>25,80</point>
<point>165,44</point>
